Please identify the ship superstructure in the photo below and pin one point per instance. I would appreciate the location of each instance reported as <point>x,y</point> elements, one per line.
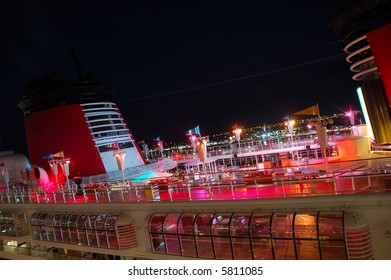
<point>77,120</point>
<point>329,210</point>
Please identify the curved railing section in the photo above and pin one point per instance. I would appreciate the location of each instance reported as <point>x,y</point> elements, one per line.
<point>359,55</point>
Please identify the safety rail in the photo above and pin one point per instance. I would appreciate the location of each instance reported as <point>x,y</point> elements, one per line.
<point>236,189</point>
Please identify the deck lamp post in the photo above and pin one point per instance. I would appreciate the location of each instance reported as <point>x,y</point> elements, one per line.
<point>65,164</point>
<point>237,132</point>
<point>120,158</point>
<point>290,123</point>
<point>54,166</point>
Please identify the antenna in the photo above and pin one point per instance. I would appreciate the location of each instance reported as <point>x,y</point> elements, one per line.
<point>79,70</point>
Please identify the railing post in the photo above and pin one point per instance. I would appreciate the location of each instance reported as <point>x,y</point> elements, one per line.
<point>169,191</point>
<point>122,194</point>
<point>63,196</point>
<point>256,188</point>
<point>85,195</point>
<point>188,190</point>
<point>232,189</point>
<point>96,195</point>
<point>108,195</point>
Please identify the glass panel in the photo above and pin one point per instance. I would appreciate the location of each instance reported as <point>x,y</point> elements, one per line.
<point>50,234</point>
<point>74,239</point>
<point>203,224</point>
<point>220,224</point>
<point>90,222</point>
<point>262,248</point>
<point>188,245</point>
<point>100,221</point>
<point>57,219</point>
<point>242,249</point>
<point>260,225</point>
<point>307,250</point>
<point>64,220</point>
<point>112,239</point>
<point>49,227</point>
<point>35,232</point>
<point>333,250</point>
<point>222,248</point>
<point>82,237</point>
<point>172,244</point>
<point>156,223</point>
<point>284,249</point>
<point>157,241</point>
<point>81,222</point>
<point>305,226</point>
<point>72,221</point>
<point>282,225</point>
<point>57,234</point>
<point>49,220</point>
<point>111,222</point>
<point>240,225</point>
<point>34,218</point>
<point>204,247</point>
<point>41,219</point>
<point>185,225</point>
<point>65,235</point>
<point>170,223</point>
<point>92,238</point>
<point>101,236</point>
<point>331,226</point>
<point>43,233</point>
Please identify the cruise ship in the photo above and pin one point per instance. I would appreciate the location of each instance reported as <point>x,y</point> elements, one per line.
<point>87,192</point>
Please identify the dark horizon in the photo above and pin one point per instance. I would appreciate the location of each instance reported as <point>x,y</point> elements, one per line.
<point>178,65</point>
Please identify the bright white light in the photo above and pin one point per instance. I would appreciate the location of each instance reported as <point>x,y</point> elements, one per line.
<point>365,112</point>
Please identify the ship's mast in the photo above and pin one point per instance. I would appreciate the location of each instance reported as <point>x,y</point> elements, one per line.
<point>77,64</point>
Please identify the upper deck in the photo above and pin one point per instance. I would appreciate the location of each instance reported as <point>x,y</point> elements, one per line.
<point>371,175</point>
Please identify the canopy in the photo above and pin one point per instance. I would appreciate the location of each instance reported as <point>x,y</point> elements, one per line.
<point>152,174</point>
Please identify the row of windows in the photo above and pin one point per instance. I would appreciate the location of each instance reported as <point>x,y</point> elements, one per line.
<point>73,220</point>
<point>107,148</point>
<point>95,230</point>
<point>279,236</point>
<point>91,106</point>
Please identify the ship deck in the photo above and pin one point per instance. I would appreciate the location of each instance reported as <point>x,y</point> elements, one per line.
<point>351,177</point>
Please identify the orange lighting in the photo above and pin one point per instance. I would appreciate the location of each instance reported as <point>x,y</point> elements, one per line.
<point>237,131</point>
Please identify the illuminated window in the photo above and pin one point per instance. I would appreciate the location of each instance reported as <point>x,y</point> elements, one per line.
<point>262,236</point>
<point>114,231</point>
<point>202,232</point>
<point>186,235</point>
<point>156,233</point>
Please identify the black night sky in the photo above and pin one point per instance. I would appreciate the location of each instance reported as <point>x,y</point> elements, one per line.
<point>178,64</point>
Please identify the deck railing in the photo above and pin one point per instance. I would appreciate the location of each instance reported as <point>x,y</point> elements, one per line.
<point>357,179</point>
